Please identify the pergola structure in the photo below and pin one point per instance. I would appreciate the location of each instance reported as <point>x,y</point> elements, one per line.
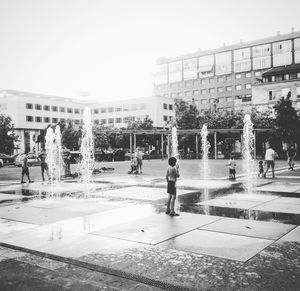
<point>167,133</point>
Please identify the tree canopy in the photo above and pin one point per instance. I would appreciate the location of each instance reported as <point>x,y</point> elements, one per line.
<point>7,136</point>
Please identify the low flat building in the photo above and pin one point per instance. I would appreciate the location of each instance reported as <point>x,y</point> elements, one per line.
<point>31,113</point>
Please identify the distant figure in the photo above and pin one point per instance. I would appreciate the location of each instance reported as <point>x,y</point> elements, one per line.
<point>291,154</point>
<point>25,170</point>
<point>270,161</point>
<point>171,177</point>
<point>67,161</point>
<point>260,169</point>
<point>133,165</point>
<point>232,166</point>
<point>139,159</point>
<point>44,166</point>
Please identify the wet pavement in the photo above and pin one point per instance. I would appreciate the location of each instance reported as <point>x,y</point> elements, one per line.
<point>114,235</point>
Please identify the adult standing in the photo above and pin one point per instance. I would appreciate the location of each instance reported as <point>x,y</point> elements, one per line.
<point>270,161</point>
<point>291,154</point>
<point>67,161</point>
<point>139,160</point>
<point>25,170</point>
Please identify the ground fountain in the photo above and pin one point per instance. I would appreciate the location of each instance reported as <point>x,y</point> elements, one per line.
<point>248,151</point>
<point>87,148</point>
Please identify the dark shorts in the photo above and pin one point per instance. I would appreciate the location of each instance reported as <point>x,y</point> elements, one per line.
<point>25,171</point>
<point>232,171</point>
<point>139,161</point>
<point>270,163</point>
<point>44,166</point>
<point>171,189</point>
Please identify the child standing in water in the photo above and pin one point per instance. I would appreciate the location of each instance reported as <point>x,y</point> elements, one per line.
<point>232,166</point>
<point>260,169</point>
<point>171,177</point>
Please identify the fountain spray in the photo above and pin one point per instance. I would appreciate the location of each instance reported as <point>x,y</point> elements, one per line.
<point>205,148</point>
<point>174,143</point>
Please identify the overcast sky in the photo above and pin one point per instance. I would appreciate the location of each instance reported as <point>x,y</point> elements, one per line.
<point>109,47</point>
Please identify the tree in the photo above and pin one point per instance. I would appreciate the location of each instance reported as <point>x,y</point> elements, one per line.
<point>287,121</point>
<point>70,137</point>
<point>187,115</point>
<point>7,136</point>
<point>146,123</point>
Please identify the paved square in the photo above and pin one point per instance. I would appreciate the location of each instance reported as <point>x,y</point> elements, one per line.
<point>251,228</point>
<point>6,197</point>
<point>234,247</point>
<point>278,206</point>
<point>139,193</point>
<point>279,187</point>
<point>240,204</point>
<point>293,236</point>
<point>157,228</point>
<point>249,197</point>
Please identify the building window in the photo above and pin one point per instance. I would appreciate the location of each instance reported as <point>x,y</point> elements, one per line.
<point>165,118</point>
<point>76,121</point>
<point>62,120</point>
<point>103,110</point>
<point>196,92</point>
<point>211,101</point>
<point>70,110</point>
<point>46,119</point>
<point>228,78</point>
<point>96,121</point>
<point>29,106</point>
<point>203,101</point>
<point>286,77</point>
<point>165,106</point>
<point>238,87</point>
<point>46,107</point>
<point>62,109</point>
<point>118,120</point>
<point>188,93</point>
<point>29,118</point>
<point>170,107</point>
<point>96,111</point>
<point>103,121</point>
<point>220,89</point>
<point>229,88</point>
<point>203,91</point>
<point>221,99</point>
<point>196,83</point>
<point>248,75</point>
<point>54,120</point>
<point>238,76</point>
<point>38,119</point>
<point>110,120</point>
<point>118,109</point>
<point>110,109</point>
<point>220,79</point>
<point>257,74</point>
<point>212,90</point>
<point>188,84</point>
<point>270,95</point>
<point>248,86</point>
<point>38,106</point>
<point>54,108</point>
<point>247,98</point>
<point>228,99</point>
<point>180,94</point>
<point>76,111</point>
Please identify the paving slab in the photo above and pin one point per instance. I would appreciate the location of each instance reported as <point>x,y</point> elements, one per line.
<point>251,228</point>
<point>288,200</point>
<point>139,193</point>
<point>231,203</point>
<point>157,228</point>
<point>39,216</point>
<point>199,184</point>
<point>277,206</point>
<point>249,197</point>
<point>228,246</point>
<point>10,226</point>
<point>293,236</point>
<point>6,197</point>
<point>279,187</point>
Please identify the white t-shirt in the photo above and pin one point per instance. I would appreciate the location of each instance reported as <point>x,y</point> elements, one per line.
<point>270,155</point>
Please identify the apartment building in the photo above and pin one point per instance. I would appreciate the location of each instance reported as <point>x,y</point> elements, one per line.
<point>223,78</point>
<point>31,112</point>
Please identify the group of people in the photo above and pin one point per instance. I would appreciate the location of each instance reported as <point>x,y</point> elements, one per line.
<point>136,162</point>
<point>44,166</point>
<point>264,166</point>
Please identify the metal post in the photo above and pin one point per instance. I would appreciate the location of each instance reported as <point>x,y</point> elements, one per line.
<point>215,144</point>
<point>197,150</point>
<point>130,142</point>
<point>162,146</point>
<point>134,142</point>
<point>254,152</point>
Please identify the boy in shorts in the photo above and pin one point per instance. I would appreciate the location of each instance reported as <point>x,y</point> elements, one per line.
<point>25,170</point>
<point>171,177</point>
<point>232,166</point>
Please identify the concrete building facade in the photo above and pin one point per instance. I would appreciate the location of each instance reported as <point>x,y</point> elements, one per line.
<point>223,78</point>
<point>31,113</point>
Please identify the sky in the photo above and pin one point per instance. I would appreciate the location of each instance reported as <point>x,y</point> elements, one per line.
<point>108,49</point>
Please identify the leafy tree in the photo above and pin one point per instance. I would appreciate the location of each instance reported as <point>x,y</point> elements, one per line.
<point>70,137</point>
<point>146,123</point>
<point>287,120</point>
<point>7,136</point>
<point>187,115</point>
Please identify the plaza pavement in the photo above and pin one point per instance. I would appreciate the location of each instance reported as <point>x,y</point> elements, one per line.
<point>117,237</point>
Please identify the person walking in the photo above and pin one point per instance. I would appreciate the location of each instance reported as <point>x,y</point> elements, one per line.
<point>270,161</point>
<point>291,154</point>
<point>139,160</point>
<point>44,166</point>
<point>25,170</point>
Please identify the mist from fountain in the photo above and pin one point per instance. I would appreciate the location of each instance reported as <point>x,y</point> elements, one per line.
<point>248,153</point>
<point>87,147</point>
<point>205,146</point>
